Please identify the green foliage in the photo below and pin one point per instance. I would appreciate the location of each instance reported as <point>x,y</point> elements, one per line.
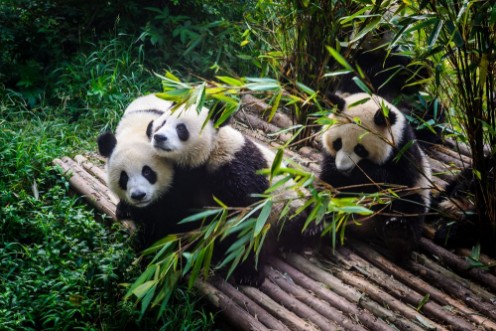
<point>459,39</point>
<point>61,267</point>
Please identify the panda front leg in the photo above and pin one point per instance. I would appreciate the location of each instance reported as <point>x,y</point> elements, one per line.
<point>402,233</point>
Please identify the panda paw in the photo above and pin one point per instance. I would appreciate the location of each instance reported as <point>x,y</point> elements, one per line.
<point>123,211</point>
<point>248,276</point>
<point>400,237</point>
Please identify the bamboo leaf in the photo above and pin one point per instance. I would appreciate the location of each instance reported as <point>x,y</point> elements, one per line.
<point>230,81</point>
<point>339,58</point>
<point>200,216</point>
<point>262,218</point>
<point>371,26</point>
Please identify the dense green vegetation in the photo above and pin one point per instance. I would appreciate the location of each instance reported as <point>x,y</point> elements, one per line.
<point>68,69</point>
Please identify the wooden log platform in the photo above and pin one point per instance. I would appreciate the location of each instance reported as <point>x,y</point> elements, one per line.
<point>353,288</point>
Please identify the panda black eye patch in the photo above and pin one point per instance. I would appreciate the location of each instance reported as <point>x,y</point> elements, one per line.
<point>182,132</point>
<point>123,178</point>
<point>361,151</point>
<point>149,174</point>
<point>337,144</point>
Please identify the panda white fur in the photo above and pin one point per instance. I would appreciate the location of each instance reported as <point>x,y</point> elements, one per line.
<point>361,155</point>
<point>145,183</point>
<point>223,163</point>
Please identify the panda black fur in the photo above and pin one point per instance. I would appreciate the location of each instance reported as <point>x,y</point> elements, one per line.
<point>458,224</point>
<point>391,76</point>
<point>225,162</point>
<point>148,187</point>
<point>362,156</point>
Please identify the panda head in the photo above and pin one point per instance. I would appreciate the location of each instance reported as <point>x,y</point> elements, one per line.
<point>186,137</point>
<point>134,172</point>
<point>365,128</point>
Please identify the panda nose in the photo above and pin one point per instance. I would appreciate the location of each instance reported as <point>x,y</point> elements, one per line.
<point>138,195</point>
<point>160,137</point>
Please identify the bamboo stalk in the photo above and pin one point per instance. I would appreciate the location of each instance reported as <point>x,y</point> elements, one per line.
<point>248,305</point>
<point>458,263</point>
<point>289,318</point>
<point>236,316</point>
<point>420,285</point>
<point>300,309</point>
<point>332,298</point>
<point>350,293</point>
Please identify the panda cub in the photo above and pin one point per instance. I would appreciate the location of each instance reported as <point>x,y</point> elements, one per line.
<point>369,147</point>
<point>141,179</point>
<point>223,163</point>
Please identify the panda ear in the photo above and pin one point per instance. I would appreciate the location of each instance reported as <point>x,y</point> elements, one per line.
<point>380,118</point>
<point>149,129</point>
<point>106,143</point>
<point>217,110</point>
<point>337,101</point>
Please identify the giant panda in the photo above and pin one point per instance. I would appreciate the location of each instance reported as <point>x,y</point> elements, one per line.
<point>227,163</point>
<point>145,183</point>
<point>362,154</point>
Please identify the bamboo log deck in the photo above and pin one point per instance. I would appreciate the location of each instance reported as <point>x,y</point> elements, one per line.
<point>353,288</point>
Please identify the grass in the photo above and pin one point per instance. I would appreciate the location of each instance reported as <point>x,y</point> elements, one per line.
<point>60,268</point>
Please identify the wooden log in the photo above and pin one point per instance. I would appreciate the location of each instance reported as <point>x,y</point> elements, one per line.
<point>402,292</point>
<point>465,160</point>
<point>320,306</point>
<point>296,306</point>
<point>476,289</point>
<point>440,153</point>
<point>91,179</point>
<point>458,263</point>
<point>248,305</point>
<point>88,187</point>
<point>460,147</point>
<point>91,168</point>
<point>455,289</point>
<point>259,107</point>
<point>303,162</point>
<point>289,318</point>
<point>419,285</point>
<point>236,316</point>
<point>488,261</point>
<point>256,123</point>
<point>367,319</point>
<point>383,297</point>
<point>350,293</point>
